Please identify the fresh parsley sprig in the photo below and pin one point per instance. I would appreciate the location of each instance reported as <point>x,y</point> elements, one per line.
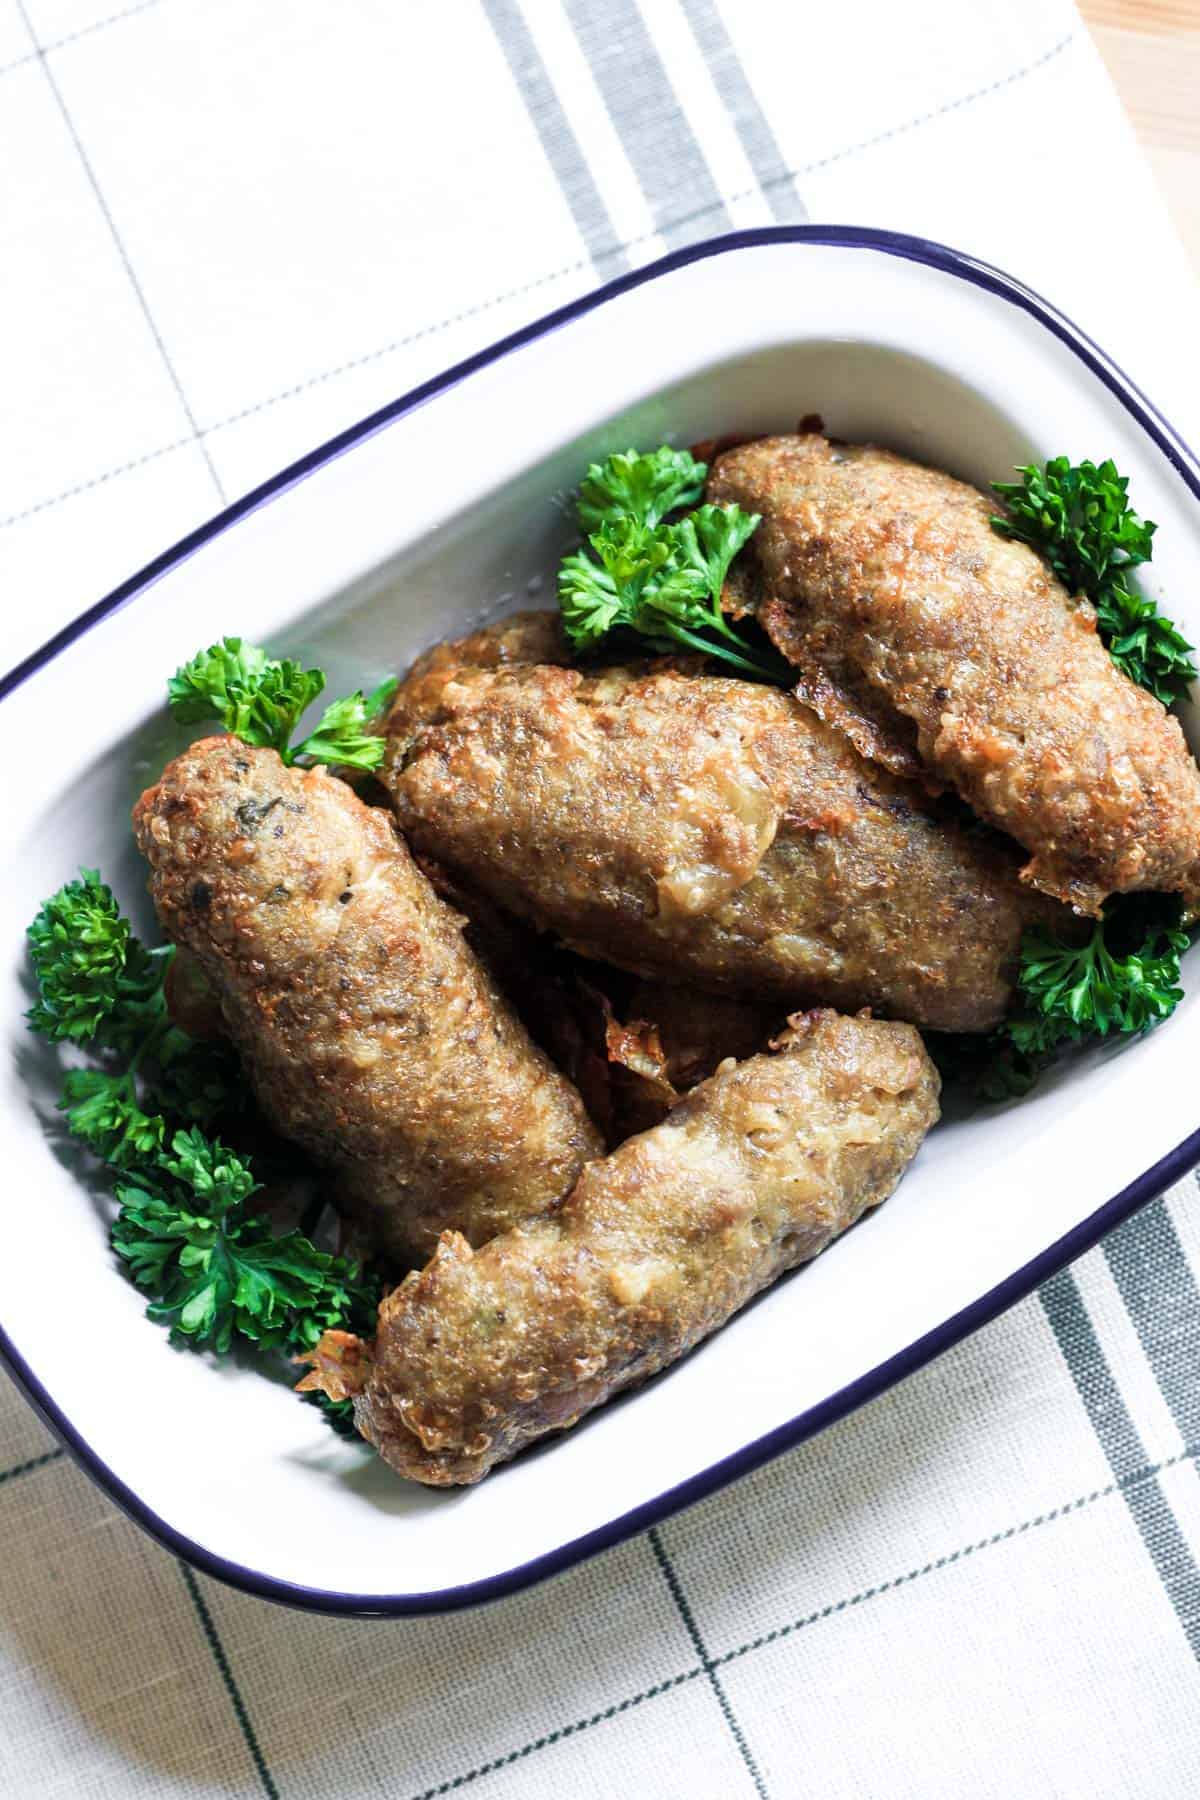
<point>1118,981</point>
<point>261,698</point>
<point>657,580</point>
<point>1078,517</point>
<point>643,488</point>
<point>96,982</point>
<point>212,1266</point>
<point>216,1270</point>
<point>1121,980</point>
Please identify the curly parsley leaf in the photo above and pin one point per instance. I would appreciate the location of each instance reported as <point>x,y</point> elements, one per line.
<point>702,547</point>
<point>643,489</point>
<point>605,589</point>
<point>201,1083</point>
<point>1143,644</point>
<point>96,982</point>
<point>256,697</point>
<point>1078,517</point>
<point>342,734</point>
<point>261,699</point>
<point>217,1273</point>
<point>214,1176</point>
<point>212,1268</point>
<point>1121,980</point>
<point>656,581</point>
<point>991,1067</point>
<point>99,985</point>
<point>102,1111</point>
<point>589,599</point>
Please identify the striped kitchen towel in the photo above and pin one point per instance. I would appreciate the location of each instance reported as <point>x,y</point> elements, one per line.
<point>231,227</point>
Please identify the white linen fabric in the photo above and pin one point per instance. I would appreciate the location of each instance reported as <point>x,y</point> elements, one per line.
<point>230,228</point>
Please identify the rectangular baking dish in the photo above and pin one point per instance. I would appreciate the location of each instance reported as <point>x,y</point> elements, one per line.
<point>433,515</point>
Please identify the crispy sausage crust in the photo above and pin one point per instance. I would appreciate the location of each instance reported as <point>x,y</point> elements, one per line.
<point>757,1170</point>
<point>706,830</point>
<point>370,1033</point>
<point>888,574</point>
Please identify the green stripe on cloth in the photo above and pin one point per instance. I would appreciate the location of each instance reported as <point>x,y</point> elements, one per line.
<point>559,142</point>
<point>671,1577</point>
<point>665,153</point>
<point>1155,1281</point>
<point>685,227</point>
<point>1148,1505</point>
<point>212,1638</point>
<point>118,243</point>
<point>34,1462</point>
<point>557,1736</point>
<point>747,116</point>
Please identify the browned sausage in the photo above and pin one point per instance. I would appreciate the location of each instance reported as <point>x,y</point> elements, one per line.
<point>760,1168</point>
<point>708,831</point>
<point>369,1031</point>
<point>888,585</point>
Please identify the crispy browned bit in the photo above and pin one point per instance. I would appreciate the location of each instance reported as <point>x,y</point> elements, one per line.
<point>706,831</point>
<point>744,592</point>
<point>632,1048</point>
<point>371,1034</point>
<point>671,1039</point>
<point>832,687</point>
<point>758,1169</point>
<point>704,449</point>
<point>615,1059</point>
<point>697,1030</point>
<point>341,1366</point>
<point>891,581</point>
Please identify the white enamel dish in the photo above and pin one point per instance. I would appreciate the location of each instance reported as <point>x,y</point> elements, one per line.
<point>437,513</point>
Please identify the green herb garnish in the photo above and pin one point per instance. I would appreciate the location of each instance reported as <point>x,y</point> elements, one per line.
<point>95,981</point>
<point>643,489</point>
<point>657,581</point>
<point>212,1266</point>
<point>215,1269</point>
<point>1079,518</point>
<point>260,699</point>
<point>1120,980</point>
<point>99,985</point>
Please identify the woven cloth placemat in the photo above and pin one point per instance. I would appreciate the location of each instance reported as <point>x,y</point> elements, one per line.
<point>229,228</point>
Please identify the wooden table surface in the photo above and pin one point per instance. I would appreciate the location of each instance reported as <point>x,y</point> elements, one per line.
<point>1152,48</point>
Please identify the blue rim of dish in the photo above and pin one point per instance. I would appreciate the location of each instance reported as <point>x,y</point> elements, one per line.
<point>895,1368</point>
